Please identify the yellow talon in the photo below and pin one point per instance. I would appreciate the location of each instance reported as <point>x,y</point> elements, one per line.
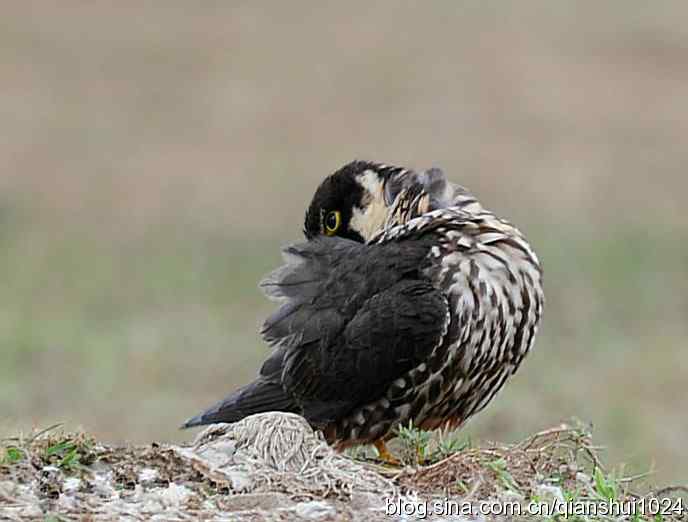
<point>384,454</point>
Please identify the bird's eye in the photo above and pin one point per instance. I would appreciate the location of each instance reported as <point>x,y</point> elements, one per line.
<point>333,220</point>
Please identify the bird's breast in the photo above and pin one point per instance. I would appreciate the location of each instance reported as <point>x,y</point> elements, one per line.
<point>493,282</point>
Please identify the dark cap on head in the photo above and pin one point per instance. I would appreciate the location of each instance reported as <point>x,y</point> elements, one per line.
<point>349,202</point>
<point>355,201</point>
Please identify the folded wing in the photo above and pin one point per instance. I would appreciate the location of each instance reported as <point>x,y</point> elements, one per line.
<point>353,318</point>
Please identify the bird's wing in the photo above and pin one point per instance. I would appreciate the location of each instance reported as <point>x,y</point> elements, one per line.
<point>354,317</point>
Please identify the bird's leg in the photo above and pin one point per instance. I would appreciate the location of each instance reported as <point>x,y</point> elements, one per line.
<point>384,454</point>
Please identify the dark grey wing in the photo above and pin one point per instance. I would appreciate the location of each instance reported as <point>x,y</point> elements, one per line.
<point>392,333</point>
<point>355,317</point>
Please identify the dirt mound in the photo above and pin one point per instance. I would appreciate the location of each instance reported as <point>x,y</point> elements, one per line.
<point>274,467</point>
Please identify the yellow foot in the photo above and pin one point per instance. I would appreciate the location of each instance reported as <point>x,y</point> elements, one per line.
<point>384,454</point>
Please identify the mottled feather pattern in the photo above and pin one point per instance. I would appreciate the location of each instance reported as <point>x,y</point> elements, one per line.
<point>493,282</point>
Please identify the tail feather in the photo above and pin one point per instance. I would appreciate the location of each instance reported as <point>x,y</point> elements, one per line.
<point>260,396</point>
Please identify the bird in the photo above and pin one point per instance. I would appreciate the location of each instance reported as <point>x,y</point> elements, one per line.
<point>407,302</point>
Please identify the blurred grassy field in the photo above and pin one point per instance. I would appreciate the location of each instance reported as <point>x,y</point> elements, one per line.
<point>155,157</point>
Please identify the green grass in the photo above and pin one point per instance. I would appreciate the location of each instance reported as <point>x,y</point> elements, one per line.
<point>66,454</point>
<point>419,447</point>
<point>605,485</point>
<point>415,444</point>
<point>12,455</point>
<point>499,468</point>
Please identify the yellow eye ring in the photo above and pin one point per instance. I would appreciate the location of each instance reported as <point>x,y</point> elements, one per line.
<point>333,220</point>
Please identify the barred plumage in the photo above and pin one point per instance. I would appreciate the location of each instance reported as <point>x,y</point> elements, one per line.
<point>493,281</point>
<point>420,310</point>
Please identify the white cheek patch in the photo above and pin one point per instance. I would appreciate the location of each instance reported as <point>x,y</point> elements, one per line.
<point>371,182</point>
<point>370,219</point>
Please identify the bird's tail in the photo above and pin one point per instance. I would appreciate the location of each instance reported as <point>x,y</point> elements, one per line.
<point>260,396</point>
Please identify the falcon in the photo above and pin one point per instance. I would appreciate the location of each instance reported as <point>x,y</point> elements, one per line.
<point>409,302</point>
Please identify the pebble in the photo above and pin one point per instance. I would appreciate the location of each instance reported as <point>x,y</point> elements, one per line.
<point>315,510</point>
<point>148,475</point>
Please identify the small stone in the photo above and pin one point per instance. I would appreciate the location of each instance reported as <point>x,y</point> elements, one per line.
<point>240,480</point>
<point>226,446</point>
<point>547,492</point>
<point>30,512</point>
<point>148,475</point>
<point>511,496</point>
<point>151,506</point>
<point>584,478</point>
<point>71,485</point>
<point>220,452</point>
<point>7,488</point>
<point>174,495</point>
<point>315,510</point>
<point>67,503</point>
<point>102,488</point>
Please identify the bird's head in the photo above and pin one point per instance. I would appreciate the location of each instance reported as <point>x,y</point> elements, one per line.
<point>355,202</point>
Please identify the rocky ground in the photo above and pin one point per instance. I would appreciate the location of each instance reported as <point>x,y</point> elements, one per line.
<point>274,467</point>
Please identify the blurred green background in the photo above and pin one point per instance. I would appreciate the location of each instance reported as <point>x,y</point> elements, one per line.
<point>155,157</point>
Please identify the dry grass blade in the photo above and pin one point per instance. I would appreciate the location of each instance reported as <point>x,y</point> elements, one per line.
<point>669,490</point>
<point>544,454</point>
<point>45,431</point>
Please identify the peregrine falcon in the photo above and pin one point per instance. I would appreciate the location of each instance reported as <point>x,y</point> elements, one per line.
<point>408,302</point>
